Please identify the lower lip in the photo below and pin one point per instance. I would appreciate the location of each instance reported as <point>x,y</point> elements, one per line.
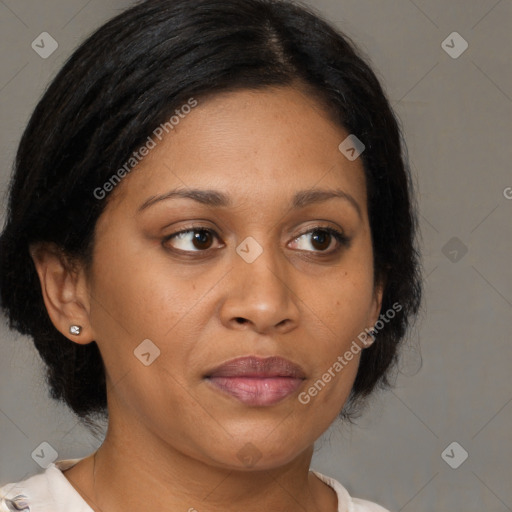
<point>257,390</point>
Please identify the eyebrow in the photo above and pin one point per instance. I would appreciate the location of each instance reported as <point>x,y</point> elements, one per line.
<point>216,199</point>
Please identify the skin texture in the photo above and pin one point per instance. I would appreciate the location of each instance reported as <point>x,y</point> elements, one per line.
<point>174,442</point>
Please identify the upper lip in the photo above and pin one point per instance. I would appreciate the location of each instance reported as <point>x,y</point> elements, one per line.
<point>252,366</point>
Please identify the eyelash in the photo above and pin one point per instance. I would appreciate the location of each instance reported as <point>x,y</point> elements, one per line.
<point>339,236</point>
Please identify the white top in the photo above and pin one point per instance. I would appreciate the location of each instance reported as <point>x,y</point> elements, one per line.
<point>51,491</point>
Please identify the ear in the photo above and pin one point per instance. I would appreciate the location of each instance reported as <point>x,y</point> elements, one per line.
<point>375,310</point>
<point>377,302</point>
<point>65,291</point>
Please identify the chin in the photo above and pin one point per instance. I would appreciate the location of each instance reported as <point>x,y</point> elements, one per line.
<point>260,456</point>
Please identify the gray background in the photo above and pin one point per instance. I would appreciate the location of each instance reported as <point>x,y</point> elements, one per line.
<point>455,380</point>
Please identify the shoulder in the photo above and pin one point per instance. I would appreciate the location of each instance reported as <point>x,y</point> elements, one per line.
<point>347,502</point>
<point>367,506</point>
<point>49,491</point>
<point>19,495</point>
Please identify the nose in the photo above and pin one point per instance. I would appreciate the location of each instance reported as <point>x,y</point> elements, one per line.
<point>260,296</point>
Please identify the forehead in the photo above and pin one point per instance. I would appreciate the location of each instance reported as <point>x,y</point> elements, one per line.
<point>253,145</point>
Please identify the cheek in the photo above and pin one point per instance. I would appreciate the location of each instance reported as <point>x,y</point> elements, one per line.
<point>344,303</point>
<point>137,294</point>
<point>341,311</point>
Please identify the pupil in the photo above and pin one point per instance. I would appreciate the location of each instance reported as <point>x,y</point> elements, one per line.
<point>322,235</point>
<point>199,236</point>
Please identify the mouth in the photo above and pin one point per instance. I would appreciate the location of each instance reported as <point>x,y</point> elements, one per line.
<point>257,381</point>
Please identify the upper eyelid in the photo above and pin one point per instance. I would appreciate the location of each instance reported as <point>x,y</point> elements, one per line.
<point>212,230</point>
<point>309,230</point>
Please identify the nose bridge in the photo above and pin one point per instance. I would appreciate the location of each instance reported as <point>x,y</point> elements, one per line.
<point>263,267</point>
<point>261,294</point>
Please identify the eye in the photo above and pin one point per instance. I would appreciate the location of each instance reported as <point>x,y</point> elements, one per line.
<point>321,238</point>
<point>194,239</point>
<point>200,239</point>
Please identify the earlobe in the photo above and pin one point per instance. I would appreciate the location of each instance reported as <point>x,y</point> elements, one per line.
<point>64,291</point>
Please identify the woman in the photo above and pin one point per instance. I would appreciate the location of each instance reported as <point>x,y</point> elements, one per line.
<point>211,240</point>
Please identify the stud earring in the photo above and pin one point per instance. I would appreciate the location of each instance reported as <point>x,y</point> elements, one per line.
<point>75,329</point>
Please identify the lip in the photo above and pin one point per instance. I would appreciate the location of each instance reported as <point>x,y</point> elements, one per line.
<point>257,381</point>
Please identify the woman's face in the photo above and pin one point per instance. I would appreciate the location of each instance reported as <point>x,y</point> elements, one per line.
<point>248,276</point>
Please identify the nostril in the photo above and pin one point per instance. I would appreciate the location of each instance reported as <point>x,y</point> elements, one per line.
<point>240,320</point>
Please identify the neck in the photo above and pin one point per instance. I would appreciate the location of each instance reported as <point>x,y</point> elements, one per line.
<point>125,474</point>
